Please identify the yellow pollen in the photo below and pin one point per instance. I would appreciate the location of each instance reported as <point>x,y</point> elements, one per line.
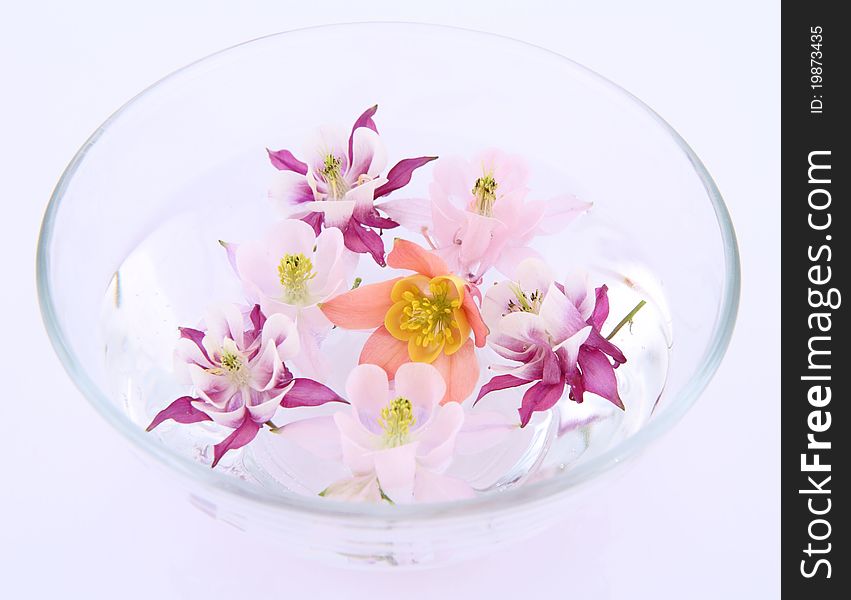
<point>430,319</point>
<point>484,191</point>
<point>396,419</point>
<point>295,271</point>
<point>525,302</point>
<point>337,186</point>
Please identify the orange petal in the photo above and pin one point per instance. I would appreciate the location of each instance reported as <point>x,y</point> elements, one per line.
<point>361,308</point>
<point>474,318</point>
<point>408,255</point>
<point>460,371</point>
<point>384,350</point>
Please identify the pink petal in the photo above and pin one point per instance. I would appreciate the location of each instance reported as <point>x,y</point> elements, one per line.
<point>599,376</point>
<point>282,333</point>
<point>283,160</point>
<point>361,308</point>
<point>266,367</point>
<point>437,438</point>
<point>560,211</point>
<point>482,430</point>
<point>539,397</point>
<point>407,255</point>
<point>307,392</point>
<point>500,382</point>
<point>400,175</point>
<point>601,307</point>
<point>431,487</point>
<point>559,315</point>
<point>182,411</point>
<point>357,444</point>
<point>411,213</point>
<point>365,120</point>
<point>369,156</point>
<point>239,438</point>
<point>218,389</point>
<point>460,371</point>
<point>368,391</point>
<point>396,469</point>
<point>382,349</point>
<point>423,385</point>
<point>317,435</point>
<point>363,240</point>
<point>474,318</point>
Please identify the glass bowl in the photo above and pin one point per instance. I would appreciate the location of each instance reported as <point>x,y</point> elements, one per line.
<point>190,148</point>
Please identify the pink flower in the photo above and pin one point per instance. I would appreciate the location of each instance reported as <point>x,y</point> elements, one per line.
<point>289,271</point>
<point>478,216</point>
<point>339,184</point>
<point>397,442</point>
<point>237,369</point>
<point>553,331</point>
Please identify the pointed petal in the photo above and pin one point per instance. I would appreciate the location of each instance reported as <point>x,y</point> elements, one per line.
<point>363,240</point>
<point>460,371</point>
<point>307,392</point>
<point>361,308</point>
<point>368,154</point>
<point>365,120</point>
<point>400,175</point>
<point>408,255</point>
<point>315,220</point>
<point>317,435</point>
<point>182,411</point>
<point>500,382</point>
<point>601,308</point>
<point>239,438</point>
<point>382,349</point>
<point>283,160</point>
<point>598,375</point>
<point>197,337</point>
<point>411,213</point>
<point>474,318</point>
<point>539,397</point>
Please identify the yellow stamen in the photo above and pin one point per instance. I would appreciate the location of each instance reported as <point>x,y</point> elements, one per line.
<point>396,419</point>
<point>337,186</point>
<point>295,271</point>
<point>484,191</point>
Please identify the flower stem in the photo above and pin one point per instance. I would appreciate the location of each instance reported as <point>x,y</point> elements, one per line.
<point>272,427</point>
<point>626,319</point>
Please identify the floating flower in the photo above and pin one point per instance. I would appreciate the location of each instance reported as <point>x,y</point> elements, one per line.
<point>238,371</point>
<point>426,317</point>
<point>339,184</point>
<point>397,441</point>
<point>290,271</point>
<point>553,331</point>
<point>478,217</point>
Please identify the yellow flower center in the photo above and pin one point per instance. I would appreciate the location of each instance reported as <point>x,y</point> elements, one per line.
<point>337,186</point>
<point>232,365</point>
<point>396,419</point>
<point>484,191</point>
<point>295,271</point>
<point>428,314</point>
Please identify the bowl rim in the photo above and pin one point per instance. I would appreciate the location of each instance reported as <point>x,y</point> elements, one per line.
<point>529,493</point>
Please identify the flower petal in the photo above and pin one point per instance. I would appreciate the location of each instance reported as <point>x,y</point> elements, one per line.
<point>408,255</point>
<point>500,382</point>
<point>357,443</point>
<point>368,390</point>
<point>423,385</point>
<point>218,389</point>
<point>474,318</point>
<point>396,469</point>
<point>411,213</point>
<point>482,430</point>
<point>384,350</point>
<point>598,375</point>
<point>239,438</point>
<point>365,120</point>
<point>307,392</point>
<point>601,307</point>
<point>432,487</point>
<point>266,367</point>
<point>559,315</point>
<point>560,211</point>
<point>317,435</point>
<point>283,160</point>
<point>361,308</point>
<point>363,240</point>
<point>282,332</point>
<point>539,397</point>
<point>368,154</point>
<point>182,411</point>
<point>460,371</point>
<point>437,438</point>
<point>400,175</point>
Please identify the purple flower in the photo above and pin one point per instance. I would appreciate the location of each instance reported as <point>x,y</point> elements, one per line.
<point>339,184</point>
<point>553,332</point>
<point>237,369</point>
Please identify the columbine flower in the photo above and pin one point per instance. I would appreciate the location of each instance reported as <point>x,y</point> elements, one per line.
<point>553,331</point>
<point>289,271</point>
<point>397,441</point>
<point>478,216</point>
<point>238,371</point>
<point>426,317</point>
<point>339,184</point>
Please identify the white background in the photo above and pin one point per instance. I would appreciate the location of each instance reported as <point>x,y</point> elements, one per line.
<point>696,517</point>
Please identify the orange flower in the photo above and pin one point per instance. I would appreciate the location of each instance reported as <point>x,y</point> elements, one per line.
<point>425,317</point>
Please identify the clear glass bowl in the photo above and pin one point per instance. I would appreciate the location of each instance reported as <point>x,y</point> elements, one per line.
<point>178,150</point>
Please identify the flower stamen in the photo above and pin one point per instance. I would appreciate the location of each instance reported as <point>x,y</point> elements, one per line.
<point>295,271</point>
<point>396,419</point>
<point>332,172</point>
<point>430,319</point>
<point>530,303</point>
<point>484,191</point>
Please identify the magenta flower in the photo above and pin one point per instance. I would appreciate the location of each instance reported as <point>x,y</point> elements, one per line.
<point>478,217</point>
<point>339,184</point>
<point>553,332</point>
<point>237,369</point>
<point>397,442</point>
